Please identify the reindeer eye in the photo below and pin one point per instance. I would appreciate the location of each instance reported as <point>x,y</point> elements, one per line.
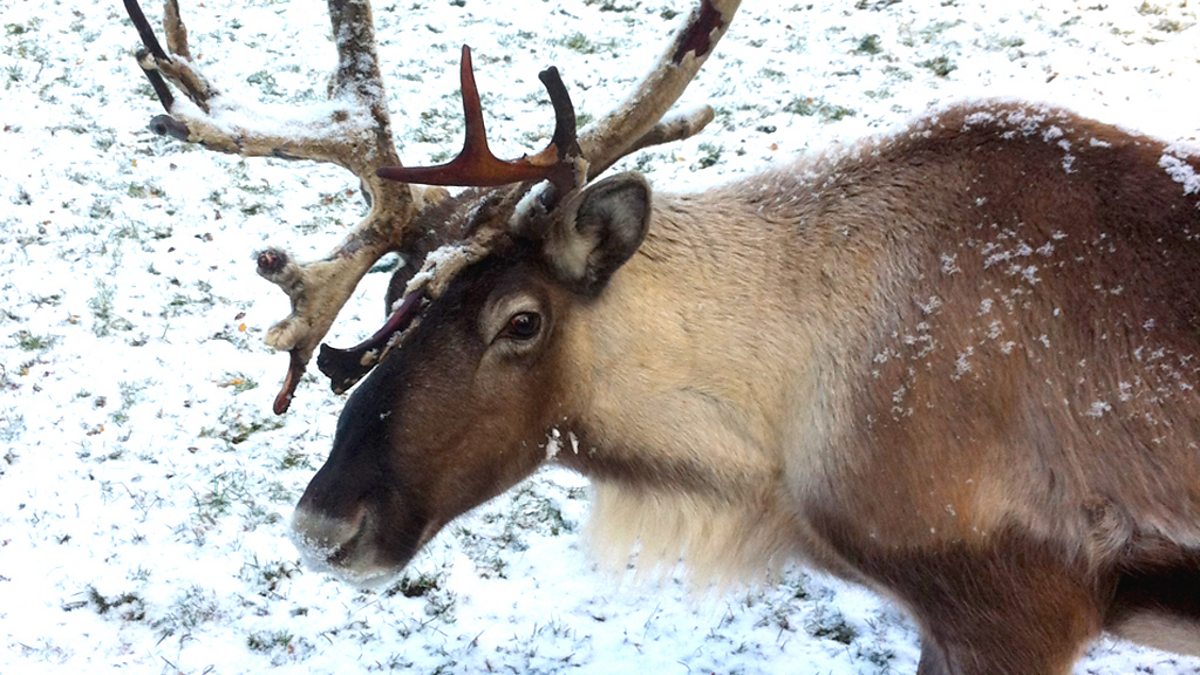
<point>522,326</point>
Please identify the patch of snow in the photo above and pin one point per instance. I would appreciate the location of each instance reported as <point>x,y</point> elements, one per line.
<point>1181,172</point>
<point>962,364</point>
<point>528,200</point>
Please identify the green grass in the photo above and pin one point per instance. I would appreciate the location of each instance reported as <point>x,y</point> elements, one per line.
<point>105,319</point>
<point>584,45</point>
<point>808,106</point>
<point>869,45</point>
<point>941,65</point>
<point>125,606</point>
<point>269,640</point>
<point>710,157</point>
<point>30,342</point>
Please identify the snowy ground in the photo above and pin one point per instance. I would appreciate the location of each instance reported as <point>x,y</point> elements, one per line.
<point>145,485</point>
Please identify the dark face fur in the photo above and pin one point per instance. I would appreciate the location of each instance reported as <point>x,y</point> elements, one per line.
<point>461,410</point>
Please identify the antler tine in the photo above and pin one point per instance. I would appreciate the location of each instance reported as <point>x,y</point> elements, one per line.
<point>177,35</point>
<point>152,48</point>
<point>677,127</point>
<point>636,123</point>
<point>475,164</point>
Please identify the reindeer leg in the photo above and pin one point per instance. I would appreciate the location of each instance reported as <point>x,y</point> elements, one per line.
<point>1010,606</point>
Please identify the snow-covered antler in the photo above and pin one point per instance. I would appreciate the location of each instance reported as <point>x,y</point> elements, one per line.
<point>351,129</point>
<point>639,121</point>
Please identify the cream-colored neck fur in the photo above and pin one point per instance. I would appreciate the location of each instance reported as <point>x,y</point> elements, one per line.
<point>698,379</point>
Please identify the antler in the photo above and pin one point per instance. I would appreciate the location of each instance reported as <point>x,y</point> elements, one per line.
<point>638,122</point>
<point>351,129</point>
<point>475,164</point>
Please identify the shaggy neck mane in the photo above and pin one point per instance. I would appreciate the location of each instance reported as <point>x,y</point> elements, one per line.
<point>718,541</point>
<point>682,453</point>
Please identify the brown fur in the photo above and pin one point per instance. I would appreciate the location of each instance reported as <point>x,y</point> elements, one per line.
<point>957,365</point>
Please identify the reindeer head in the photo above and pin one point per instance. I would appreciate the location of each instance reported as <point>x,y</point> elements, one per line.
<point>467,375</point>
<point>459,411</point>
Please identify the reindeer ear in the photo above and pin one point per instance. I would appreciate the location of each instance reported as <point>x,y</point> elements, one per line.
<point>600,231</point>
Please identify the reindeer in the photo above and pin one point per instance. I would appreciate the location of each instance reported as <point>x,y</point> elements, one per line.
<point>957,364</point>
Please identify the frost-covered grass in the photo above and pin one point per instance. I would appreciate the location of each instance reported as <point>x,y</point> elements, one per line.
<point>144,484</point>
